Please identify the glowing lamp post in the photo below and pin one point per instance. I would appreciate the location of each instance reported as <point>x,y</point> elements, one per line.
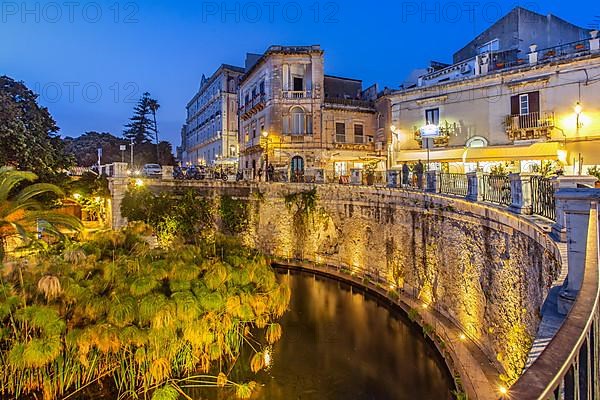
<point>578,109</point>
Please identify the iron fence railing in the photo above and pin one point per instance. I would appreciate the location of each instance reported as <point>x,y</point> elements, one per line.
<point>496,189</point>
<point>542,197</point>
<point>452,183</point>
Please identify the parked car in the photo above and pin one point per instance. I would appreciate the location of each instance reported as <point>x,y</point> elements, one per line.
<point>152,170</point>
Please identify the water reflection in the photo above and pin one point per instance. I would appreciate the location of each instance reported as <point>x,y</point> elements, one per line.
<point>338,344</point>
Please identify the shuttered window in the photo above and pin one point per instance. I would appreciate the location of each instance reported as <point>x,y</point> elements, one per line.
<point>526,103</point>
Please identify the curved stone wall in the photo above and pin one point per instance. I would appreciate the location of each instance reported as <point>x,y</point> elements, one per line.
<point>487,270</point>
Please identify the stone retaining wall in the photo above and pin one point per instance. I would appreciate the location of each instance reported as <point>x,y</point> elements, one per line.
<point>486,269</point>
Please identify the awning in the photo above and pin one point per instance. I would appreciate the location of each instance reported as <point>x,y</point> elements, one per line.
<point>534,151</point>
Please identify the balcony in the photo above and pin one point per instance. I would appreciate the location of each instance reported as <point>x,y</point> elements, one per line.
<point>295,94</point>
<point>445,130</point>
<point>256,104</point>
<point>354,146</point>
<point>535,125</point>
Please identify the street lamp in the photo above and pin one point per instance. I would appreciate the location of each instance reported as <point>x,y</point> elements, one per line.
<point>265,134</point>
<point>578,110</point>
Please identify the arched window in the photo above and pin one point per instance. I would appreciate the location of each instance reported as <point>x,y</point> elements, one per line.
<point>477,141</point>
<point>298,121</point>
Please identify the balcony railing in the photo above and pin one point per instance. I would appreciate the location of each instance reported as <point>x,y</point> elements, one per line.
<point>254,105</point>
<point>535,125</point>
<point>577,48</point>
<point>296,94</point>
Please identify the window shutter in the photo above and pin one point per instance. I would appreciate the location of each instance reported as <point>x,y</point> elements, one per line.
<point>286,125</point>
<point>514,105</point>
<point>534,102</point>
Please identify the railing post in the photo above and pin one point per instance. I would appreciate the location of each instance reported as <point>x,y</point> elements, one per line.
<point>520,189</point>
<point>120,170</point>
<point>575,204</point>
<point>533,54</point>
<point>167,172</point>
<point>392,178</point>
<point>475,186</point>
<point>594,41</point>
<point>559,229</point>
<point>433,182</point>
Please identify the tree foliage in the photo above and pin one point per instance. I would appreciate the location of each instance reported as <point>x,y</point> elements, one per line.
<point>20,210</point>
<point>188,216</point>
<point>84,150</point>
<point>28,132</point>
<point>142,126</point>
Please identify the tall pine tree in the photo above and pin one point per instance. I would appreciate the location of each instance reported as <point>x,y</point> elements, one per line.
<point>141,128</point>
<point>28,134</point>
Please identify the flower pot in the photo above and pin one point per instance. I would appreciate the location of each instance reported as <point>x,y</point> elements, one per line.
<point>597,185</point>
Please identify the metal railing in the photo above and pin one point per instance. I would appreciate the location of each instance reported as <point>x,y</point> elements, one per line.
<point>566,49</point>
<point>295,94</point>
<point>533,125</point>
<point>543,202</point>
<point>456,184</point>
<point>569,368</point>
<point>496,189</point>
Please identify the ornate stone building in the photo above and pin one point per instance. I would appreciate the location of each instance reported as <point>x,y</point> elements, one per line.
<point>500,106</point>
<point>306,124</point>
<point>211,129</point>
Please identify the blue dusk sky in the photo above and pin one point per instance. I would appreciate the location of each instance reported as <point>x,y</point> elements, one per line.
<point>90,61</point>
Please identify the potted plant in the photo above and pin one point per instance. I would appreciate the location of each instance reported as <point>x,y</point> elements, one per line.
<point>595,171</point>
<point>369,171</point>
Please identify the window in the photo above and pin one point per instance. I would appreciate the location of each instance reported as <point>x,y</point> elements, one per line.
<point>477,141</point>
<point>261,87</point>
<point>340,132</point>
<point>492,45</point>
<point>523,104</point>
<point>298,121</point>
<point>358,133</point>
<point>298,84</point>
<point>432,116</point>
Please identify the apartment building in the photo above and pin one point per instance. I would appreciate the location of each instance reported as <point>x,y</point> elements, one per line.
<point>524,93</point>
<point>307,125</point>
<point>210,134</point>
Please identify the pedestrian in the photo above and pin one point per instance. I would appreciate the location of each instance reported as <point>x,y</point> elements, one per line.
<point>405,173</point>
<point>419,173</point>
<point>271,172</point>
<point>260,171</point>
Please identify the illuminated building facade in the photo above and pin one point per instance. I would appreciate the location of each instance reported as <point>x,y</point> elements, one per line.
<point>500,107</point>
<point>306,124</point>
<point>211,129</point>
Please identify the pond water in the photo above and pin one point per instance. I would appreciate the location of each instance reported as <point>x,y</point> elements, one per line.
<point>340,344</point>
